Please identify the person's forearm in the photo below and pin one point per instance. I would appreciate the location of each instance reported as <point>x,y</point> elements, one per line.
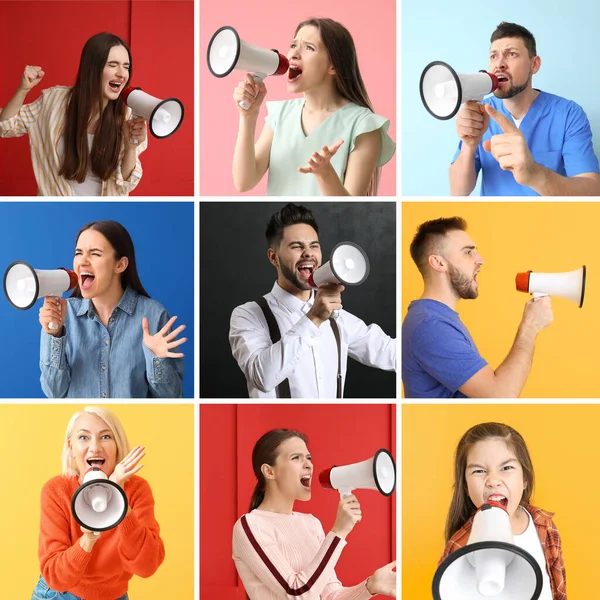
<point>128,163</point>
<point>463,175</point>
<point>245,176</point>
<point>513,372</point>
<point>549,183</point>
<point>14,105</point>
<point>330,185</point>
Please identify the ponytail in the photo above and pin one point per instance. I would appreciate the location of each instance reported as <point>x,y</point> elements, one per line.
<point>258,495</point>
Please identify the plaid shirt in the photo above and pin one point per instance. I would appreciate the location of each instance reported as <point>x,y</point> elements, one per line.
<point>549,538</point>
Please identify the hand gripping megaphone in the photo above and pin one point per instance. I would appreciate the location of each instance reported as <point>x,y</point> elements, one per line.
<point>348,265</point>
<point>569,285</point>
<point>23,284</point>
<point>443,90</point>
<point>227,51</point>
<point>164,116</point>
<point>490,565</point>
<point>376,473</point>
<point>98,504</point>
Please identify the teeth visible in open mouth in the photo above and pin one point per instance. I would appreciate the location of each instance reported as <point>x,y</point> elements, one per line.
<point>294,72</point>
<point>498,498</point>
<point>115,85</point>
<point>305,480</point>
<point>309,267</point>
<point>95,462</point>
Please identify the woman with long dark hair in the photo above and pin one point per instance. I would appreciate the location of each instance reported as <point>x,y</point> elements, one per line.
<point>329,142</point>
<point>82,140</point>
<point>280,553</point>
<point>109,339</point>
<point>77,563</point>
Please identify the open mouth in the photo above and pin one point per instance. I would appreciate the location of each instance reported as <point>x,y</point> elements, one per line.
<point>306,269</point>
<point>305,481</point>
<point>115,86</point>
<point>499,499</point>
<point>294,73</point>
<point>502,79</point>
<point>87,279</point>
<point>95,462</point>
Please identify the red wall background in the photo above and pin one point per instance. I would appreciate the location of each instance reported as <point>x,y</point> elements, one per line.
<point>337,434</point>
<point>51,33</point>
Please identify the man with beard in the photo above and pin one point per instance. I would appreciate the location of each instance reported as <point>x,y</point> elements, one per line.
<point>439,357</point>
<point>535,143</point>
<point>287,344</point>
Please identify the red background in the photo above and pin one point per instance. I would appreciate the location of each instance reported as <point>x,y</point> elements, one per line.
<point>337,435</point>
<point>52,33</point>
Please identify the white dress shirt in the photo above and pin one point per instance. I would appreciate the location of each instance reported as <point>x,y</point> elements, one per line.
<point>307,355</point>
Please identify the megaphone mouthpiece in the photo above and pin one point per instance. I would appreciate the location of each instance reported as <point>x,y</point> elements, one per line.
<point>569,285</point>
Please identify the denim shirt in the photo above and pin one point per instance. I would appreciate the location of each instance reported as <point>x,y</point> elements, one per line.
<point>93,361</point>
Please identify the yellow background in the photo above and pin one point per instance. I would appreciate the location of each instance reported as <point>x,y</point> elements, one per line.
<point>513,237</point>
<point>563,444</point>
<point>31,438</point>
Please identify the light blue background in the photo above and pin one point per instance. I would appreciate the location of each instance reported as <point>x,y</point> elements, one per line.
<point>567,36</point>
<point>43,235</point>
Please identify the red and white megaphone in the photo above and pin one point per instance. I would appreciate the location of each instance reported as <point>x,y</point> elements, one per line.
<point>23,284</point>
<point>569,285</point>
<point>227,51</point>
<point>490,565</point>
<point>443,90</point>
<point>376,473</point>
<point>98,504</point>
<point>164,116</point>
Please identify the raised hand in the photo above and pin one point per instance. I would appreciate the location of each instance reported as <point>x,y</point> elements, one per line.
<point>471,123</point>
<point>134,132</point>
<point>88,539</point>
<point>383,581</point>
<point>251,93</point>
<point>320,162</point>
<point>510,149</point>
<point>348,515</point>
<point>162,342</point>
<point>128,466</point>
<point>31,77</point>
<point>53,314</point>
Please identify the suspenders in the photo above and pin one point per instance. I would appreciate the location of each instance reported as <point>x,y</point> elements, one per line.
<point>283,389</point>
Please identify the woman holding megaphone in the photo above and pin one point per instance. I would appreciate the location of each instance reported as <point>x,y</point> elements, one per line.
<point>280,553</point>
<point>329,142</point>
<point>109,339</point>
<point>82,143</point>
<point>78,563</point>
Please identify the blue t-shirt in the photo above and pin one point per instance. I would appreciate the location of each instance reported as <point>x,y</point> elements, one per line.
<point>438,352</point>
<point>559,137</point>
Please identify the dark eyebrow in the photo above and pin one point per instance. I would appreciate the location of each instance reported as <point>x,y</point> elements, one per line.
<point>117,62</point>
<point>501,464</point>
<point>91,250</point>
<point>299,242</point>
<point>469,247</point>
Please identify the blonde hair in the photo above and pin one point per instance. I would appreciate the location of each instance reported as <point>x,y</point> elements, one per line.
<point>69,468</point>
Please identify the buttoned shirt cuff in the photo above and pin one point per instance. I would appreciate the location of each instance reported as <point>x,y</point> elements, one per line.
<point>158,369</point>
<point>52,350</point>
<point>306,330</point>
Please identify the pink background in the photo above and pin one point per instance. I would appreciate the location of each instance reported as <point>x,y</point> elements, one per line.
<point>271,24</point>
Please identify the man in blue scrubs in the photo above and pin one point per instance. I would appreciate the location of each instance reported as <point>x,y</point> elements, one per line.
<point>528,142</point>
<point>439,357</point>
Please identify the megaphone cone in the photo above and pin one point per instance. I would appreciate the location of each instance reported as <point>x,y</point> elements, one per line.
<point>348,264</point>
<point>23,284</point>
<point>98,504</point>
<point>490,565</point>
<point>569,285</point>
<point>164,116</point>
<point>443,90</point>
<point>376,473</point>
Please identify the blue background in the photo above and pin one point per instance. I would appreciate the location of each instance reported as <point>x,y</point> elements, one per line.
<point>458,32</point>
<point>43,234</point>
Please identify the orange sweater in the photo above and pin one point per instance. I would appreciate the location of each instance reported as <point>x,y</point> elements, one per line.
<point>133,547</point>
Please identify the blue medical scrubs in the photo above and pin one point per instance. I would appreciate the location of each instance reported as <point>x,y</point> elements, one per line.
<point>558,134</point>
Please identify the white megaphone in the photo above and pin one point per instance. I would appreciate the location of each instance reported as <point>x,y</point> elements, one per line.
<point>348,264</point>
<point>443,90</point>
<point>490,565</point>
<point>23,284</point>
<point>98,504</point>
<point>227,51</point>
<point>164,116</point>
<point>569,285</point>
<point>376,473</point>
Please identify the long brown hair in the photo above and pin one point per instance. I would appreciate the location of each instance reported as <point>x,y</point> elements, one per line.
<point>122,244</point>
<point>266,451</point>
<point>348,80</point>
<point>85,100</point>
<point>461,506</point>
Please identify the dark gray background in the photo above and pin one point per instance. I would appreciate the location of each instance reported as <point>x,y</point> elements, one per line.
<point>234,269</point>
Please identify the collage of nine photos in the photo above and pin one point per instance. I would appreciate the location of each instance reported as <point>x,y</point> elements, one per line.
<point>203,387</point>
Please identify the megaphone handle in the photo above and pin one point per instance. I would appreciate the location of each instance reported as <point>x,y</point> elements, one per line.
<point>134,116</point>
<point>345,495</point>
<point>335,314</point>
<point>538,295</point>
<point>258,78</point>
<point>52,326</point>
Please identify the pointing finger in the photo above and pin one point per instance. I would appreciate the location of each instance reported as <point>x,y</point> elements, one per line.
<point>506,125</point>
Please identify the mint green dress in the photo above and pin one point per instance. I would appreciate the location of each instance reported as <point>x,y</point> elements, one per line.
<point>291,148</point>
